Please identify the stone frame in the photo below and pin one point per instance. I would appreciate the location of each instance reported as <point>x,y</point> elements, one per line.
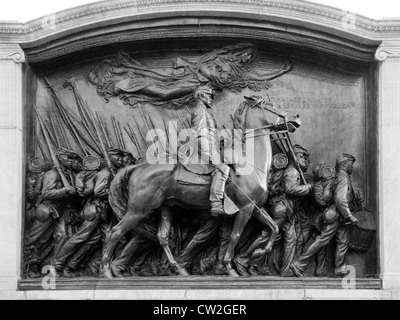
<point>40,42</point>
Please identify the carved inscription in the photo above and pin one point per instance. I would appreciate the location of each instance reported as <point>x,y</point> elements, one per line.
<point>300,103</point>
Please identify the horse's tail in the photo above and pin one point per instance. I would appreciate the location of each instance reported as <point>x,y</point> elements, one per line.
<point>118,196</point>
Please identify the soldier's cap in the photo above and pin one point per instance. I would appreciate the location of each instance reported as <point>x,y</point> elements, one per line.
<point>66,152</point>
<point>280,161</point>
<point>345,157</point>
<point>115,151</point>
<point>299,149</point>
<point>36,165</point>
<point>91,163</point>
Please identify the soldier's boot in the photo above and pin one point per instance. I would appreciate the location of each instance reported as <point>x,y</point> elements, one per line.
<point>219,269</point>
<point>219,177</point>
<point>34,271</point>
<point>117,270</point>
<point>67,272</point>
<point>298,272</point>
<point>341,271</point>
<point>351,219</point>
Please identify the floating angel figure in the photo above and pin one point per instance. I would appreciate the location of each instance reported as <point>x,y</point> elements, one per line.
<point>228,68</point>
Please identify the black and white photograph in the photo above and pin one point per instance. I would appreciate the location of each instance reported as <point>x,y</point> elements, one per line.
<point>196,152</point>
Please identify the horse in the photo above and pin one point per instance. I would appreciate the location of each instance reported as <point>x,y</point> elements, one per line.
<point>140,190</point>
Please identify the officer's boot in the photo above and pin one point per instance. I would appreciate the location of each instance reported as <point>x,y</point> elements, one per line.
<point>219,177</point>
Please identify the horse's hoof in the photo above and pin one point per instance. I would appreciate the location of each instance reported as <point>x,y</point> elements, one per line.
<point>182,272</point>
<point>232,273</point>
<point>105,272</point>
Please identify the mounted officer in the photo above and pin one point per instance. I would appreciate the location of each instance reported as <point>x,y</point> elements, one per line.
<point>204,124</point>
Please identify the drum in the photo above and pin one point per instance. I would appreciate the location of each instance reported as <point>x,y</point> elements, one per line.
<point>362,234</point>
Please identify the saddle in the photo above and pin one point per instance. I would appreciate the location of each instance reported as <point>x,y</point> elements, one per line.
<point>187,177</point>
<point>190,175</point>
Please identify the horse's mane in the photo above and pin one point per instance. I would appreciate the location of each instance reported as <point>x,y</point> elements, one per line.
<point>239,117</point>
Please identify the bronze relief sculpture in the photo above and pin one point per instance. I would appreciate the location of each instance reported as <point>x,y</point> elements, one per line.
<point>226,201</point>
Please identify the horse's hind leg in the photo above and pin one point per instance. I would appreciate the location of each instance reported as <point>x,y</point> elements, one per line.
<point>163,234</point>
<point>128,222</point>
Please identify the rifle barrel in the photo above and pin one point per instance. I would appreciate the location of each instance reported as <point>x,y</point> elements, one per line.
<point>52,154</point>
<point>105,153</point>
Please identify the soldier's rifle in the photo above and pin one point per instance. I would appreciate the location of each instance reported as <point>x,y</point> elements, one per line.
<point>130,135</point>
<point>159,138</point>
<point>82,106</point>
<point>103,148</point>
<point>289,142</point>
<point>148,127</point>
<point>64,137</point>
<point>141,133</point>
<point>65,116</point>
<point>135,140</point>
<point>39,144</point>
<point>51,136</point>
<point>116,133</point>
<point>103,129</point>
<point>52,154</point>
<point>121,135</point>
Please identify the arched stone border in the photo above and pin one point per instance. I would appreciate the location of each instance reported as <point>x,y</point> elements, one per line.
<point>324,29</point>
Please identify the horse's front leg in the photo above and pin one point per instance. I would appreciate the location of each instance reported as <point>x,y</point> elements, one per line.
<point>163,234</point>
<point>240,222</point>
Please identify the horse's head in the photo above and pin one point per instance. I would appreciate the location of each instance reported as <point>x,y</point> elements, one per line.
<point>254,113</point>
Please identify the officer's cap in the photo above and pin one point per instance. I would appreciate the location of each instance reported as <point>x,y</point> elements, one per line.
<point>345,157</point>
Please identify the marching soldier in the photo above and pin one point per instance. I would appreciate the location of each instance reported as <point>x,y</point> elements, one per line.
<point>287,192</point>
<point>93,184</point>
<point>55,199</point>
<point>33,186</point>
<point>244,262</point>
<point>335,220</point>
<point>286,199</point>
